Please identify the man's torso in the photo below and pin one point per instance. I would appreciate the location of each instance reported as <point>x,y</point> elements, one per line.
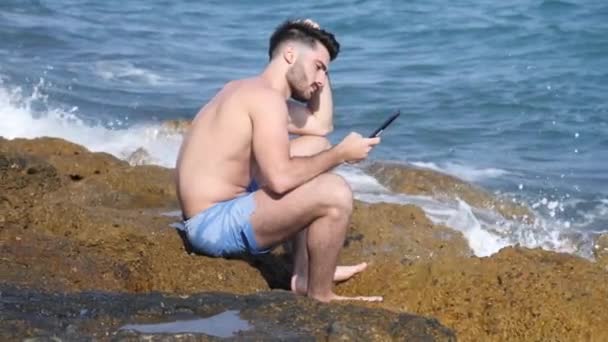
<point>215,159</point>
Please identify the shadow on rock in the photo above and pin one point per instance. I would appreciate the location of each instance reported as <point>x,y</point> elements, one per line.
<point>276,267</point>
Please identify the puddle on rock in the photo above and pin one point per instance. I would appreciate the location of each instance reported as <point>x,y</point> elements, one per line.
<point>173,213</point>
<point>226,324</point>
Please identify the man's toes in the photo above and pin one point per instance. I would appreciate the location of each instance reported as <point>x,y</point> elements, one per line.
<point>360,267</point>
<point>372,299</point>
<point>345,272</point>
<point>361,298</point>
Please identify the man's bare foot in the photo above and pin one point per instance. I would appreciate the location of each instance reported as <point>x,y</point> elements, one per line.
<point>335,297</point>
<point>346,272</point>
<point>299,284</point>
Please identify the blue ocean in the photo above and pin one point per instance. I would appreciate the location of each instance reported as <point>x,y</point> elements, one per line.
<point>511,96</point>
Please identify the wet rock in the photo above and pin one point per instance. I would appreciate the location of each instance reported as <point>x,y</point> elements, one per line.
<point>600,251</point>
<point>276,315</point>
<point>175,126</point>
<point>385,231</point>
<point>139,157</point>
<point>413,180</point>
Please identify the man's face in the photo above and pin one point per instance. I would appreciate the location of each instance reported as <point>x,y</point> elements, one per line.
<point>307,74</point>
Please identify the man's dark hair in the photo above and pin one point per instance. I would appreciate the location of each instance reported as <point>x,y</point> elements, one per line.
<point>306,33</point>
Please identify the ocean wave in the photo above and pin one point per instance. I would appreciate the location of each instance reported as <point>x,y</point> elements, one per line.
<point>20,119</point>
<point>486,230</point>
<point>464,172</point>
<point>128,73</point>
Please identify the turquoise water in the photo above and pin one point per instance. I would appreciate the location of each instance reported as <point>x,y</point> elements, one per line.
<point>511,96</point>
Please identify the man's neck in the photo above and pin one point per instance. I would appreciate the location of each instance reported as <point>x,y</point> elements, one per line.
<point>274,75</point>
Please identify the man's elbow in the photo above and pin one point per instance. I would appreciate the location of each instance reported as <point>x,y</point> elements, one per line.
<point>279,184</point>
<point>325,130</point>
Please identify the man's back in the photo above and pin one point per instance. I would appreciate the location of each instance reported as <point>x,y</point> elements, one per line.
<point>214,163</point>
<point>244,130</point>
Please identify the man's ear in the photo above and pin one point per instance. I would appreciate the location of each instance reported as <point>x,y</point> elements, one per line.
<point>290,53</point>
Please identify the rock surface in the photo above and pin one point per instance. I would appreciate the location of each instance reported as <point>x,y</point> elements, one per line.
<point>517,294</point>
<point>274,316</point>
<point>72,220</point>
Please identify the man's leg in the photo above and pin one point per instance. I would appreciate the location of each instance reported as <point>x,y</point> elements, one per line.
<point>324,205</point>
<point>307,146</point>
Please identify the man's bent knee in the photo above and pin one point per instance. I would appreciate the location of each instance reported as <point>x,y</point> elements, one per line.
<point>335,192</point>
<point>324,143</point>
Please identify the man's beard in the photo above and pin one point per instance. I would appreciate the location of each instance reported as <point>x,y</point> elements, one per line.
<point>298,84</point>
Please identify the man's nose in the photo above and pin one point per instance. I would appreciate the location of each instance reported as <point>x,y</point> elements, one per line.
<point>320,81</point>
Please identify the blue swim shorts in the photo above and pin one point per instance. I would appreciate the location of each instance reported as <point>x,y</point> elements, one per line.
<point>225,228</point>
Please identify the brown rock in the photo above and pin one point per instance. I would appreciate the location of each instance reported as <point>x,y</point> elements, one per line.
<point>516,294</point>
<point>66,227</point>
<point>24,179</point>
<point>418,181</point>
<point>383,231</point>
<point>100,230</point>
<point>71,160</point>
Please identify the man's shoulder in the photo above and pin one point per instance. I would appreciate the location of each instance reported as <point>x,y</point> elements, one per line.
<point>256,94</point>
<point>256,87</point>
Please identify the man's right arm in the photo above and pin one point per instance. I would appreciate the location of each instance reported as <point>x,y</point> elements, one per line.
<point>271,147</point>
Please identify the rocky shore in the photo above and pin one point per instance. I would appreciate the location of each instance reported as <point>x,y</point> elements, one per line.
<point>87,247</point>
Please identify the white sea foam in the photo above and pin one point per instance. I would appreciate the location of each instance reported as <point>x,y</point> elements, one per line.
<point>463,172</point>
<point>361,182</point>
<point>127,72</point>
<point>486,231</point>
<point>457,215</point>
<point>19,120</point>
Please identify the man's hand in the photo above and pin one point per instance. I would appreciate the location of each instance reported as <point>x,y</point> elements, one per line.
<point>315,99</point>
<point>316,116</point>
<point>354,147</point>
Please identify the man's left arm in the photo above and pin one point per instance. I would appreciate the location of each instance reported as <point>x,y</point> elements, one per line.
<point>314,118</point>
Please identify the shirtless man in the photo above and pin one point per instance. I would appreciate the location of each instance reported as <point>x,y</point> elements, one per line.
<point>244,187</point>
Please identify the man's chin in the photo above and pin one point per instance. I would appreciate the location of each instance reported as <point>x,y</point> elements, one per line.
<point>300,98</point>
